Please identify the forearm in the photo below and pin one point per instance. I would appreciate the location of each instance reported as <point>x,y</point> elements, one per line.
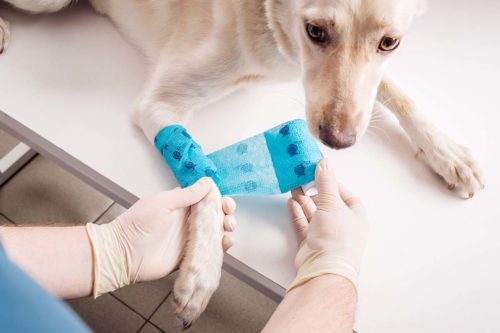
<point>59,258</point>
<point>324,304</point>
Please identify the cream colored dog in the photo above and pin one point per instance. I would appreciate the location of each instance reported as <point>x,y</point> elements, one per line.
<point>200,50</point>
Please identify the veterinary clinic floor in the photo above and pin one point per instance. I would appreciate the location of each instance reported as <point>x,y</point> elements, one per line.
<point>42,193</point>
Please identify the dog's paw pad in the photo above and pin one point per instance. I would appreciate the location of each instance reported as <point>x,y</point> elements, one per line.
<point>4,35</point>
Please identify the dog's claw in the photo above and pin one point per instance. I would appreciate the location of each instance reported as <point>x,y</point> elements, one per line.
<point>471,195</point>
<point>186,324</point>
<point>451,187</point>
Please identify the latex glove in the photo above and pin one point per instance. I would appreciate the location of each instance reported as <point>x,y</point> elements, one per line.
<point>332,228</point>
<point>147,241</point>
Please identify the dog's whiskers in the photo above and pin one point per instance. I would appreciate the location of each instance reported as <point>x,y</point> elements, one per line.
<point>293,99</point>
<point>381,130</point>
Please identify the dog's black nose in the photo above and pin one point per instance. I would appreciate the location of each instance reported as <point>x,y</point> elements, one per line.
<point>336,139</point>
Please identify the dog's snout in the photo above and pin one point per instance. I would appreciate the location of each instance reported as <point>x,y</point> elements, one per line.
<point>337,139</point>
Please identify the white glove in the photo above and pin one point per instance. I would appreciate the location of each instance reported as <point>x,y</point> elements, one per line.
<point>332,228</point>
<point>147,241</point>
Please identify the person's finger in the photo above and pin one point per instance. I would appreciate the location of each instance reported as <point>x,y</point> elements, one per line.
<point>299,220</point>
<point>229,223</point>
<point>227,243</point>
<point>228,205</point>
<point>328,188</point>
<point>185,197</point>
<point>306,202</point>
<point>315,199</point>
<point>349,198</point>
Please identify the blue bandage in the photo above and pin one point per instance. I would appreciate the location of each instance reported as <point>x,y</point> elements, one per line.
<point>276,161</point>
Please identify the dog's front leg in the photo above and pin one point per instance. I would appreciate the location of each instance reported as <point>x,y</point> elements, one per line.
<point>176,88</point>
<point>450,160</point>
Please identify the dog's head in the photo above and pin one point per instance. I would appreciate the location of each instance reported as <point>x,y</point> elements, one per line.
<point>343,47</point>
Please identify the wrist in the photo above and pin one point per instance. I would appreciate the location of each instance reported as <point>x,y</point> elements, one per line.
<point>109,258</point>
<point>325,263</point>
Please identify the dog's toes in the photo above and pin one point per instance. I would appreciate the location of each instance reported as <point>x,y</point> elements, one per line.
<point>189,308</point>
<point>4,35</point>
<point>456,165</point>
<point>194,287</point>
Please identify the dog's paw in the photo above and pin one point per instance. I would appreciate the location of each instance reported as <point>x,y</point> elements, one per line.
<point>200,269</point>
<point>4,35</point>
<point>451,161</point>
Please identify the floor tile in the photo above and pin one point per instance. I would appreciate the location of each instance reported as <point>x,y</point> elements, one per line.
<point>235,307</point>
<point>148,328</point>
<point>114,211</point>
<point>43,193</point>
<point>4,221</point>
<point>107,315</point>
<point>7,142</point>
<point>146,297</point>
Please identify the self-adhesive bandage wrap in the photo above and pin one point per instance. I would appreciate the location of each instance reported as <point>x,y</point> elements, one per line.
<point>276,161</point>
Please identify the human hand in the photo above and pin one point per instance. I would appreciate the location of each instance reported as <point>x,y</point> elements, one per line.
<point>147,241</point>
<point>331,227</point>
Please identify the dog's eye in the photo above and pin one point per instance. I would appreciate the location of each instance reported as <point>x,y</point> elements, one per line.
<point>388,44</point>
<point>316,33</point>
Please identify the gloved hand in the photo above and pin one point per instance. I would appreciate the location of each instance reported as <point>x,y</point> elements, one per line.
<point>147,241</point>
<point>332,228</point>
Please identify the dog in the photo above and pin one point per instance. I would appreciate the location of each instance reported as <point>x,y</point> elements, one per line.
<point>201,50</point>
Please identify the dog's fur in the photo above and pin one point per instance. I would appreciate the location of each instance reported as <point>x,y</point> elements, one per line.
<point>200,50</point>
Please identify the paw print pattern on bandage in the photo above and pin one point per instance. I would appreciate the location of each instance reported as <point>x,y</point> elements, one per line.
<point>189,165</point>
<point>285,130</point>
<point>292,149</point>
<point>300,170</point>
<point>164,149</point>
<point>250,186</point>
<point>209,172</point>
<point>177,155</point>
<point>242,148</point>
<point>247,167</point>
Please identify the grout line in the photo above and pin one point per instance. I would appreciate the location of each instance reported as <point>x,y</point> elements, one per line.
<point>153,313</point>
<point>159,305</point>
<point>146,319</point>
<point>128,306</point>
<point>153,324</point>
<point>8,219</point>
<point>155,310</point>
<point>105,211</point>
<point>142,326</point>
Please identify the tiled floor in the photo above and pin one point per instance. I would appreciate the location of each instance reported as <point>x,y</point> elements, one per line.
<point>42,193</point>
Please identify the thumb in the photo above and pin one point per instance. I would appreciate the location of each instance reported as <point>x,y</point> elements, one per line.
<point>185,197</point>
<point>328,187</point>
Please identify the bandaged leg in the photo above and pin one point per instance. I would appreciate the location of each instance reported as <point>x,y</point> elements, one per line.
<point>276,161</point>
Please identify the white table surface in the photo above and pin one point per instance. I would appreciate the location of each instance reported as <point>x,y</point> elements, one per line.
<point>432,263</point>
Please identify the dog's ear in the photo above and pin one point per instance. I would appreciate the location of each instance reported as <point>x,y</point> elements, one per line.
<point>422,6</point>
